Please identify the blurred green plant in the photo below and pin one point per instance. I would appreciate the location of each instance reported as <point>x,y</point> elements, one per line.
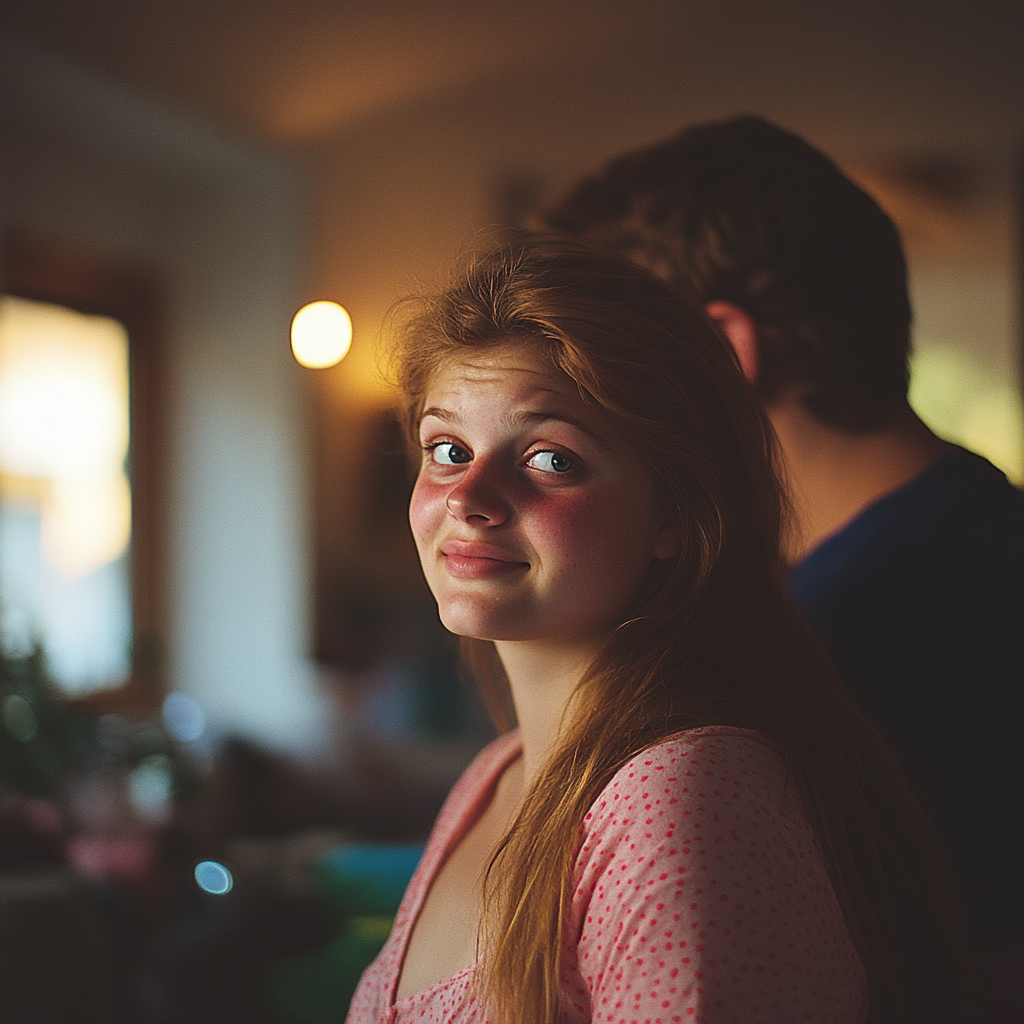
<point>41,734</point>
<point>44,737</point>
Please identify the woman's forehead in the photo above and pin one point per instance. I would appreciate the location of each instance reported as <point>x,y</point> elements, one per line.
<point>520,378</point>
<point>518,363</point>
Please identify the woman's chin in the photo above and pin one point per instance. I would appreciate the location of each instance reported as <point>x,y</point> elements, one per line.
<point>483,627</point>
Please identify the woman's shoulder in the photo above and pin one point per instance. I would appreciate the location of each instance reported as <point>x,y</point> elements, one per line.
<point>715,772</point>
<point>699,887</point>
<point>715,751</point>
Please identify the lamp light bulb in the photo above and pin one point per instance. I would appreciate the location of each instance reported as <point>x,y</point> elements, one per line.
<point>321,334</point>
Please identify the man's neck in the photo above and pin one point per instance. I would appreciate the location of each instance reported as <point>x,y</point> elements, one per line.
<point>833,475</point>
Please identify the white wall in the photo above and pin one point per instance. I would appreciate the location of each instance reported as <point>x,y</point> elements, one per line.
<point>85,161</point>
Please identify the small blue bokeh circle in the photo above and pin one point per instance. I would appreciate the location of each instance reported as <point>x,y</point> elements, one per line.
<point>213,877</point>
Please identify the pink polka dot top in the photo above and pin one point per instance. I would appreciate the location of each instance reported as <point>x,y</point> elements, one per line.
<point>700,897</point>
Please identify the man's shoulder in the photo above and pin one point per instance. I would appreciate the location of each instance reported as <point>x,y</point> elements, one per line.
<point>923,594</point>
<point>960,518</point>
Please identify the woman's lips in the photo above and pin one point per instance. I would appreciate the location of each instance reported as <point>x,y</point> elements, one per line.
<point>475,560</point>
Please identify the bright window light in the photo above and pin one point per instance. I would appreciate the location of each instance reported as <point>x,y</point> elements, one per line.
<point>65,501</point>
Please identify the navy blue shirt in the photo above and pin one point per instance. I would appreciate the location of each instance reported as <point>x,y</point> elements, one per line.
<point>920,601</point>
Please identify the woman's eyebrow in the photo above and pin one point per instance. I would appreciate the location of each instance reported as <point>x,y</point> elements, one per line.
<point>442,414</point>
<point>540,416</point>
<point>523,418</point>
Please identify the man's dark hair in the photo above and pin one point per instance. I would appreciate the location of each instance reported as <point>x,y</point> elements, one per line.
<point>742,211</point>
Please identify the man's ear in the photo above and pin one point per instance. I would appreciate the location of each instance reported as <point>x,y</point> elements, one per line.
<point>668,541</point>
<point>667,544</point>
<point>741,330</point>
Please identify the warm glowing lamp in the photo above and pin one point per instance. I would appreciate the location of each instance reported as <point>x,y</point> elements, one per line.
<point>321,334</point>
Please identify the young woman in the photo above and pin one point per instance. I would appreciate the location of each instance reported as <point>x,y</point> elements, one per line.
<point>690,822</point>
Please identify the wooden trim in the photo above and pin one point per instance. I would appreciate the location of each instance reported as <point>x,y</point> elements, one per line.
<point>51,270</point>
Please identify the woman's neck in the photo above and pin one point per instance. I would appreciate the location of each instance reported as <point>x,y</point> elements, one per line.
<point>543,678</point>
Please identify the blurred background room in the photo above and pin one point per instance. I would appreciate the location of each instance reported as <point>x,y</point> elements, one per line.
<point>216,646</point>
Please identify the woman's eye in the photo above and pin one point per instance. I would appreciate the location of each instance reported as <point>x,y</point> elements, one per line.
<point>449,454</point>
<point>551,462</point>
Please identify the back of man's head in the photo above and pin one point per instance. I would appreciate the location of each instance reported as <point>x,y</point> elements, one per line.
<point>743,212</point>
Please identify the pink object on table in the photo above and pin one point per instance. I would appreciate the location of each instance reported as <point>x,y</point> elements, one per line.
<point>125,858</point>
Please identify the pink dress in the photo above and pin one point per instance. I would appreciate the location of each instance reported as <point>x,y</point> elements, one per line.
<point>700,896</point>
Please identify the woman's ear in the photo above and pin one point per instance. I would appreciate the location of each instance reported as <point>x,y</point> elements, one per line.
<point>741,330</point>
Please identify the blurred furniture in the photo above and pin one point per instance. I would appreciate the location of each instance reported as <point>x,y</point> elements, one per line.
<point>56,962</point>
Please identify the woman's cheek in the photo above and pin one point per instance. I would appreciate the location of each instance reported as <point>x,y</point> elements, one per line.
<point>426,508</point>
<point>563,522</point>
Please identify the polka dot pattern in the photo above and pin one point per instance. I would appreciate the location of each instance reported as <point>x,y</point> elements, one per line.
<point>700,897</point>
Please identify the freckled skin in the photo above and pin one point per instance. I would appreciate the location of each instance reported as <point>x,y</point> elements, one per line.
<point>534,518</point>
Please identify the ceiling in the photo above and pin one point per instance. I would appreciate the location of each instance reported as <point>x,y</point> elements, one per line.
<point>416,122</point>
<point>295,72</point>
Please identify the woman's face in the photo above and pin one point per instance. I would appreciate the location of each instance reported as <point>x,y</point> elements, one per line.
<point>534,517</point>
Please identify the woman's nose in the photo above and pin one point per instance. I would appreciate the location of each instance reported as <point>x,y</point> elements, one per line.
<point>479,499</point>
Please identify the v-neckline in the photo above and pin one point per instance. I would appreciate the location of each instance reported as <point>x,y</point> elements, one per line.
<point>504,752</point>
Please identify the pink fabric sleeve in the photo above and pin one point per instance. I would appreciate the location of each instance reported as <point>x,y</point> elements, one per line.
<point>701,896</point>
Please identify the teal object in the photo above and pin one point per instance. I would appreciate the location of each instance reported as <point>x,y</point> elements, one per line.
<point>364,883</point>
<point>362,879</point>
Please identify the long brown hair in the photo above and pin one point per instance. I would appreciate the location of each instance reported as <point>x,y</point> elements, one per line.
<point>712,640</point>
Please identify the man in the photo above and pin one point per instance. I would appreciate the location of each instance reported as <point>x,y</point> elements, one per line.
<point>908,553</point>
